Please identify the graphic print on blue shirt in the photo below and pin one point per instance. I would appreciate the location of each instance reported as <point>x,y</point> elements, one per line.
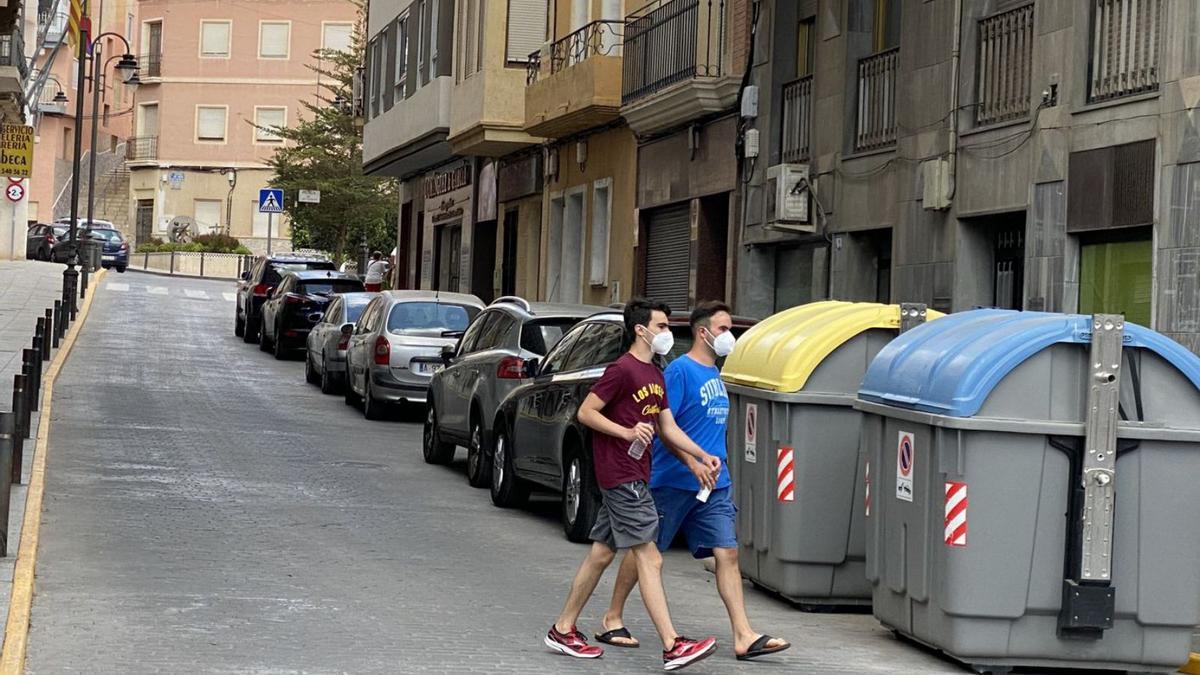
<point>700,404</point>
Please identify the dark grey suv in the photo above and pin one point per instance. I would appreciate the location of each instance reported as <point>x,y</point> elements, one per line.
<point>487,364</point>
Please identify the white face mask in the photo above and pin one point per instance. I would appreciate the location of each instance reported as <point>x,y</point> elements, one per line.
<point>662,343</point>
<point>722,345</point>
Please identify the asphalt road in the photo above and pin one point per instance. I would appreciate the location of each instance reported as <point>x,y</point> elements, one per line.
<point>207,511</point>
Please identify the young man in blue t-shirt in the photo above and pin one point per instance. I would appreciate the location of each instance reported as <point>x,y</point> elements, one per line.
<point>697,397</point>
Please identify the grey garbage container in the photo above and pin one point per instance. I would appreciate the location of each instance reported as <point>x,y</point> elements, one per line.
<point>794,453</point>
<point>89,252</point>
<point>1034,491</point>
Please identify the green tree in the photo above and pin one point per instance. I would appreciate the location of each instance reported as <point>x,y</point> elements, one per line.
<point>324,152</point>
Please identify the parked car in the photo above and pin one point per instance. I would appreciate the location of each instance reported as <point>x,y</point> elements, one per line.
<point>60,251</point>
<point>397,346</point>
<point>483,368</point>
<point>115,250</point>
<point>84,223</point>
<point>256,286</point>
<point>40,240</point>
<point>537,439</point>
<point>325,357</point>
<point>296,305</point>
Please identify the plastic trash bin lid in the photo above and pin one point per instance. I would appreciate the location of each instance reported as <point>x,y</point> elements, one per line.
<point>949,367</point>
<point>781,352</point>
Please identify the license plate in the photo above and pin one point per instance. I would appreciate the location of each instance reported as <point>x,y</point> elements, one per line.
<point>426,367</point>
<point>108,257</point>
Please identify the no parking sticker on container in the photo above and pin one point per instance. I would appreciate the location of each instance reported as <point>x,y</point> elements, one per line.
<point>905,455</point>
<point>751,433</point>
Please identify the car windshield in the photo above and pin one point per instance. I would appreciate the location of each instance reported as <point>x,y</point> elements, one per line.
<point>539,336</point>
<point>276,270</point>
<point>429,319</point>
<point>60,230</point>
<point>107,235</point>
<point>330,287</point>
<point>354,311</point>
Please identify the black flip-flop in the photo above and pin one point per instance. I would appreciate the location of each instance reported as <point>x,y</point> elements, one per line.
<point>622,632</point>
<point>760,648</point>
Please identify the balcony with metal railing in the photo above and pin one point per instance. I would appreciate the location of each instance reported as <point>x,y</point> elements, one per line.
<point>52,26</point>
<point>14,69</point>
<point>797,119</point>
<point>575,83</point>
<point>150,66</point>
<point>141,149</point>
<point>1126,41</point>
<point>1005,66</point>
<point>875,126</point>
<point>677,63</point>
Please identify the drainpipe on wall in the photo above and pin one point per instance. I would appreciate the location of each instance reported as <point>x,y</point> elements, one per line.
<point>955,58</point>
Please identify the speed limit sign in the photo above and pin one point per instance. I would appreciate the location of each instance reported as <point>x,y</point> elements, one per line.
<point>15,192</point>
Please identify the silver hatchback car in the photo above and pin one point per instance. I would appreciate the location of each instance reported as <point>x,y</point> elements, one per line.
<point>397,346</point>
<point>488,363</point>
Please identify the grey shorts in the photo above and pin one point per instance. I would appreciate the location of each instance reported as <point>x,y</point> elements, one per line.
<point>627,517</point>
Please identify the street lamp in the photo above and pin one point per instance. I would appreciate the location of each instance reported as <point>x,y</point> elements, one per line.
<point>88,48</point>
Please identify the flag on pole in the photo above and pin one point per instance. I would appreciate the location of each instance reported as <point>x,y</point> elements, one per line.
<point>75,23</point>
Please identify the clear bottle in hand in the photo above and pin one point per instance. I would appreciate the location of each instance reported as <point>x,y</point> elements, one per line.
<point>637,448</point>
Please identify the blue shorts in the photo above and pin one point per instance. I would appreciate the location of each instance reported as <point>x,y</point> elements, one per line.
<point>707,525</point>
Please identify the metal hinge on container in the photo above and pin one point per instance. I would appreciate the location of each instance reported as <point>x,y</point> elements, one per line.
<point>1088,593</point>
<point>912,314</point>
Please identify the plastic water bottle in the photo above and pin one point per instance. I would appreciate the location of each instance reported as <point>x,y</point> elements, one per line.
<point>637,448</point>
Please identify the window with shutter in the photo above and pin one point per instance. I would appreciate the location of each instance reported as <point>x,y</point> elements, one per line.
<point>337,36</point>
<point>268,119</point>
<point>210,123</point>
<point>273,39</point>
<point>214,39</point>
<point>526,29</point>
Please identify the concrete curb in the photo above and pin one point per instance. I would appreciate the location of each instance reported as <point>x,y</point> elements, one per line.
<point>180,276</point>
<point>16,630</point>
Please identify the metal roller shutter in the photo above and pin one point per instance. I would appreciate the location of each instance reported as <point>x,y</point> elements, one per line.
<point>669,256</point>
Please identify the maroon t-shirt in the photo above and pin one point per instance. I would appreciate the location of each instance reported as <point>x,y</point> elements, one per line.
<point>633,391</point>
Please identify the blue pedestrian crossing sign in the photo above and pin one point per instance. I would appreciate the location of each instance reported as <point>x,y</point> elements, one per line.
<point>270,201</point>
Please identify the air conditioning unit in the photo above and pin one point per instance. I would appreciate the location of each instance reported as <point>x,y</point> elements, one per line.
<point>787,198</point>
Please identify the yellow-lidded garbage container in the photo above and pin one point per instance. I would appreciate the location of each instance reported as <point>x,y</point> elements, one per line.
<point>799,481</point>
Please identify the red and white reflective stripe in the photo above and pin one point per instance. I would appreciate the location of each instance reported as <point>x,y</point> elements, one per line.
<point>956,513</point>
<point>785,483</point>
<point>867,500</point>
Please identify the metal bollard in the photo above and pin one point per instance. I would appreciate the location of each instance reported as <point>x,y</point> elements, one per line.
<point>49,339</point>
<point>35,378</point>
<point>7,435</point>
<point>40,343</point>
<point>20,404</point>
<point>60,319</point>
<point>21,431</point>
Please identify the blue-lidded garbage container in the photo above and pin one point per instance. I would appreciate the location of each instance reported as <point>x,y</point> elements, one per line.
<point>1034,494</point>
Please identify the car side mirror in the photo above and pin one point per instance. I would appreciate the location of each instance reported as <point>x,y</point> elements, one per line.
<point>316,316</point>
<point>531,367</point>
<point>246,275</point>
<point>447,354</point>
<point>347,329</point>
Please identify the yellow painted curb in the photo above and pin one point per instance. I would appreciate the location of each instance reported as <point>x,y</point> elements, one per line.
<point>16,631</point>
<point>1193,665</point>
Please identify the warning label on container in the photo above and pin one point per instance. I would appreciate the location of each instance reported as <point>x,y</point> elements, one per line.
<point>751,433</point>
<point>905,455</point>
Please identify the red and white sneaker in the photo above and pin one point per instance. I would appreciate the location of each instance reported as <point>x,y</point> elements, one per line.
<point>572,644</point>
<point>687,651</point>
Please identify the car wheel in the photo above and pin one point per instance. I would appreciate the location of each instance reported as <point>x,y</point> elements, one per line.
<point>121,269</point>
<point>277,348</point>
<point>239,326</point>
<point>580,498</point>
<point>508,490</point>
<point>310,373</point>
<point>434,449</point>
<point>264,344</point>
<point>373,408</point>
<point>251,331</point>
<point>328,384</point>
<point>479,469</point>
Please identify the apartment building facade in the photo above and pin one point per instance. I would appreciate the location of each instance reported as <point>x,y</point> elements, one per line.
<point>216,77</point>
<point>1052,166</point>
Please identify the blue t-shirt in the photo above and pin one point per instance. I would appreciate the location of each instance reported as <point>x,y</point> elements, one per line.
<point>698,401</point>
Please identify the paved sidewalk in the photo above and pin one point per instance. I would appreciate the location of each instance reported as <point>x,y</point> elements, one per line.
<point>27,289</point>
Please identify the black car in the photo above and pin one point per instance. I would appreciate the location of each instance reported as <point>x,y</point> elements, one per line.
<point>536,437</point>
<point>297,304</point>
<point>41,239</point>
<point>259,282</point>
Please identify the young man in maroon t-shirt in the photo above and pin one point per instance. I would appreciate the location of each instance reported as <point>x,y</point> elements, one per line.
<point>624,410</point>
